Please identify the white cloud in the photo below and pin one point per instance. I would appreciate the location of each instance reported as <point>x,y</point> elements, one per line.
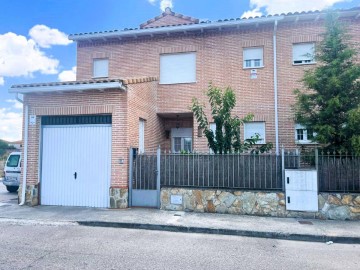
<point>163,3</point>
<point>20,56</point>
<point>284,6</point>
<point>252,13</point>
<point>16,104</point>
<point>166,3</point>
<point>45,37</point>
<point>2,81</point>
<point>11,124</point>
<point>67,75</point>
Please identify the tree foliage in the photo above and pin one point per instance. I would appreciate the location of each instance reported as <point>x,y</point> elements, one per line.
<point>329,105</point>
<point>226,138</point>
<point>3,147</point>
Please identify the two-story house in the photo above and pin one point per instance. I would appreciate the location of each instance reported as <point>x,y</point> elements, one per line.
<point>134,88</point>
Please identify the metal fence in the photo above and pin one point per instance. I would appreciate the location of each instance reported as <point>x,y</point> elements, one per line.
<point>235,171</point>
<point>339,172</point>
<point>336,173</point>
<point>144,171</point>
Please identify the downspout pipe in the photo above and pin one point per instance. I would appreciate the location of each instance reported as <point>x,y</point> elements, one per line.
<point>26,128</point>
<point>276,90</point>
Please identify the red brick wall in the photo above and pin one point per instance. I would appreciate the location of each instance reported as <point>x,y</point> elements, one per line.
<point>90,102</point>
<point>220,60</point>
<point>167,20</point>
<point>142,104</point>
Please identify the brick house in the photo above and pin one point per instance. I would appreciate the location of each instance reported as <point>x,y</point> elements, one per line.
<point>134,88</point>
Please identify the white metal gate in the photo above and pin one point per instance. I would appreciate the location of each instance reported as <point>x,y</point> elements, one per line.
<point>76,165</point>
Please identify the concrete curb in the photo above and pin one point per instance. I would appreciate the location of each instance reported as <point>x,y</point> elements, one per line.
<point>259,234</point>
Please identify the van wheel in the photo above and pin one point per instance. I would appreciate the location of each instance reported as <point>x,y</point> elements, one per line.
<point>12,188</point>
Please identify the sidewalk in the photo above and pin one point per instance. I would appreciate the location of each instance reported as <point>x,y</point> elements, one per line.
<point>152,219</point>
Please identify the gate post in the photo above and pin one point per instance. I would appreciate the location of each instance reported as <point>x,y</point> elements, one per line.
<point>283,167</point>
<point>131,161</point>
<point>158,153</point>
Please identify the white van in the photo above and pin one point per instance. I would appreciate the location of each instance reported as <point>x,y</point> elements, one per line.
<point>12,172</point>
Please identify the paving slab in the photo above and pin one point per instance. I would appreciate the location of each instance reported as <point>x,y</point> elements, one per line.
<point>153,219</point>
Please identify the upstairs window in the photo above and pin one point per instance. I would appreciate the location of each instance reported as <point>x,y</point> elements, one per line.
<point>178,68</point>
<point>251,128</point>
<point>303,53</point>
<point>253,57</point>
<point>101,68</point>
<point>303,135</point>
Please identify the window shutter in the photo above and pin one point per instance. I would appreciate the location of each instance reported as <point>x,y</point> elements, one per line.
<point>178,68</point>
<point>253,53</point>
<point>250,129</point>
<point>101,68</point>
<point>181,132</point>
<point>303,51</point>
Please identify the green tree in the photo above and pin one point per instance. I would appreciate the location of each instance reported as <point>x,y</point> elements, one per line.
<point>227,137</point>
<point>329,103</point>
<point>3,147</point>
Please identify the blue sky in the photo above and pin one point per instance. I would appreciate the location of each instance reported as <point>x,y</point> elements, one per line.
<point>34,45</point>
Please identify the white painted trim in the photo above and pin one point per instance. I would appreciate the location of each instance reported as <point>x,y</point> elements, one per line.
<point>174,29</point>
<point>68,88</point>
<point>276,91</point>
<point>23,189</point>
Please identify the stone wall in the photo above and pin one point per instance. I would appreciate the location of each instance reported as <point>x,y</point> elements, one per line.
<point>259,203</point>
<point>31,194</point>
<point>118,197</point>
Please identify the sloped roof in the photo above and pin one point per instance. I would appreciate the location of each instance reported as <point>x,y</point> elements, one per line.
<point>84,85</point>
<point>201,25</point>
<point>169,13</point>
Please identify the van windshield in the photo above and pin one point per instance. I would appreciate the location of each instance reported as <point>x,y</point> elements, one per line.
<point>13,161</point>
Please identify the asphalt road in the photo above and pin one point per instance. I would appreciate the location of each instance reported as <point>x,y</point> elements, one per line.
<point>6,196</point>
<point>64,246</point>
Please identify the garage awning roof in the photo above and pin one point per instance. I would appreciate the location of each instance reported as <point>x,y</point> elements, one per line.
<point>79,86</point>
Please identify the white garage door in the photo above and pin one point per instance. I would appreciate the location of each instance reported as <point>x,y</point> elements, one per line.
<point>76,165</point>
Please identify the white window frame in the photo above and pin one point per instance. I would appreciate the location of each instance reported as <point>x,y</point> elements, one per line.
<point>176,68</point>
<point>183,133</point>
<point>305,139</point>
<point>260,124</point>
<point>103,73</point>
<point>306,58</point>
<point>253,58</point>
<point>141,136</point>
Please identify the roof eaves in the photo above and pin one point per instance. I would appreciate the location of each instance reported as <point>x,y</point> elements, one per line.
<point>134,32</point>
<point>68,86</point>
<point>173,29</point>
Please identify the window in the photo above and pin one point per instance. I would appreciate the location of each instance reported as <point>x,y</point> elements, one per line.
<point>181,140</point>
<point>251,128</point>
<point>13,161</point>
<point>253,57</point>
<point>178,68</point>
<point>303,53</point>
<point>213,129</point>
<point>303,135</point>
<point>141,136</point>
<point>101,68</point>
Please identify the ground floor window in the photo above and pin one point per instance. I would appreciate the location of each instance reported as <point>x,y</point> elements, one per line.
<point>303,135</point>
<point>252,128</point>
<point>181,140</point>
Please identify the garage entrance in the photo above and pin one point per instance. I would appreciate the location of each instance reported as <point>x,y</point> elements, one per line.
<point>76,160</point>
